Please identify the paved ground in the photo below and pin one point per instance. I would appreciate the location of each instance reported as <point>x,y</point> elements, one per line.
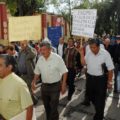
<point>73,110</point>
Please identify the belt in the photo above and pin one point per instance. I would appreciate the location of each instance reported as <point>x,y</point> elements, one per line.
<point>95,75</point>
<point>51,84</point>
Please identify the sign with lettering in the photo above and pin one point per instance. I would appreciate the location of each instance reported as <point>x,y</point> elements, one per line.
<point>24,28</point>
<point>84,21</point>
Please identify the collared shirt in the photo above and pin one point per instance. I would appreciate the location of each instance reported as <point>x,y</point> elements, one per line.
<point>52,69</point>
<point>60,50</point>
<point>87,49</point>
<point>94,62</point>
<point>14,96</point>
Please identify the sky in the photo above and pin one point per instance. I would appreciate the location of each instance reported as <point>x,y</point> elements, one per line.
<point>62,6</point>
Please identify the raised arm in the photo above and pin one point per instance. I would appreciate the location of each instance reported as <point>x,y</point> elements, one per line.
<point>82,58</point>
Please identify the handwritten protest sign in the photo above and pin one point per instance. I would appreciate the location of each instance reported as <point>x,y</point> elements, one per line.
<point>84,21</point>
<point>24,28</point>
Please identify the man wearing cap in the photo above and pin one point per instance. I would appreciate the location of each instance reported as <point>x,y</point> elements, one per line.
<point>52,69</point>
<point>96,60</point>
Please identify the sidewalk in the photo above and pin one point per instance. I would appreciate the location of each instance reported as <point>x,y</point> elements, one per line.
<point>73,110</point>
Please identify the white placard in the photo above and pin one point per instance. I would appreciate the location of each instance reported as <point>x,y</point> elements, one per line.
<point>84,21</point>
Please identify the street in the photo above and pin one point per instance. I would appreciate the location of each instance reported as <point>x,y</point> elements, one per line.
<point>73,110</point>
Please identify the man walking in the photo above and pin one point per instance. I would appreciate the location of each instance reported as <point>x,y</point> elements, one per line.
<point>14,93</point>
<point>61,47</point>
<point>72,61</point>
<point>26,62</point>
<point>51,67</point>
<point>97,60</point>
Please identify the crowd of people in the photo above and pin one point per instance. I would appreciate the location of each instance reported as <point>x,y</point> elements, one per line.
<point>24,63</point>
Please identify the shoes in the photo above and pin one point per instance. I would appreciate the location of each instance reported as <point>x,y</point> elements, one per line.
<point>86,103</point>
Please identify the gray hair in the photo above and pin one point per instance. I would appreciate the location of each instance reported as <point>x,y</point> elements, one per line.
<point>46,43</point>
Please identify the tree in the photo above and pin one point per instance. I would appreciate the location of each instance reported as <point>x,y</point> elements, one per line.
<point>116,14</point>
<point>28,7</point>
<point>105,11</point>
<point>11,4</point>
<point>103,17</point>
<point>23,7</point>
<point>108,17</point>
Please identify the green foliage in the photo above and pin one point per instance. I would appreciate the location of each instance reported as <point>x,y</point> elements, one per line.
<point>103,19</point>
<point>11,4</point>
<point>23,7</point>
<point>108,15</point>
<point>55,2</point>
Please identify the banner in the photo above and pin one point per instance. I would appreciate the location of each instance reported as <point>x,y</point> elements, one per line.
<point>84,21</point>
<point>24,28</point>
<point>54,33</point>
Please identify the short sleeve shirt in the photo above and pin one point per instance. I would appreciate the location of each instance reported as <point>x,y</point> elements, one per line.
<point>14,96</point>
<point>94,62</point>
<point>52,69</point>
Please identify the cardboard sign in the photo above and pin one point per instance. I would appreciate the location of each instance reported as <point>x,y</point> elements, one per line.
<point>24,28</point>
<point>84,21</point>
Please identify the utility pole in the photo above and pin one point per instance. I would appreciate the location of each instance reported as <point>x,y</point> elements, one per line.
<point>70,18</point>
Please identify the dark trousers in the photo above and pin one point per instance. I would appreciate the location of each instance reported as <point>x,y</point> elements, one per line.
<point>86,98</point>
<point>70,81</point>
<point>96,91</point>
<point>115,79</point>
<point>50,97</point>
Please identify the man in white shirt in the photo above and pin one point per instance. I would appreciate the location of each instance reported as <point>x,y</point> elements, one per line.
<point>97,60</point>
<point>61,47</point>
<point>52,69</point>
<point>86,101</point>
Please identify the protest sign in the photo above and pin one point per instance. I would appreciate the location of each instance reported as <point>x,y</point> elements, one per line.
<point>84,21</point>
<point>24,28</point>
